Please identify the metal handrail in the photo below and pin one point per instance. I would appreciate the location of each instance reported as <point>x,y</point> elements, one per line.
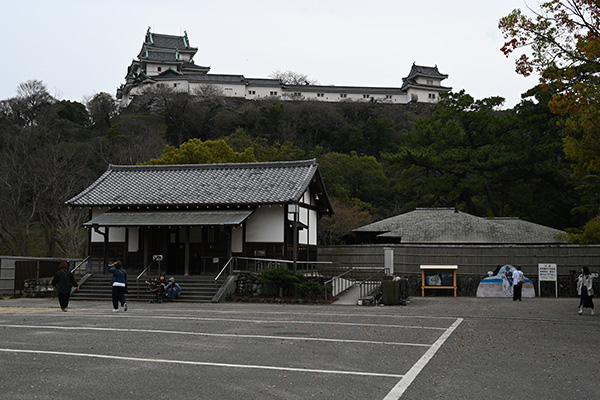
<point>373,281</point>
<point>272,262</point>
<point>338,288</point>
<point>137,279</point>
<point>80,264</point>
<point>223,269</point>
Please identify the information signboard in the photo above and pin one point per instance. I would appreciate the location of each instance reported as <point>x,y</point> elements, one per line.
<point>547,272</point>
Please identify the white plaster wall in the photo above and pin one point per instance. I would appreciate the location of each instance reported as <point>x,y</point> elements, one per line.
<point>227,89</point>
<point>237,239</point>
<point>312,227</point>
<point>96,212</point>
<point>303,233</point>
<point>266,224</point>
<point>262,91</point>
<point>117,235</point>
<point>133,244</point>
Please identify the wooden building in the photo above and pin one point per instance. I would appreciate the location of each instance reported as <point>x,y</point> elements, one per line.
<point>198,216</point>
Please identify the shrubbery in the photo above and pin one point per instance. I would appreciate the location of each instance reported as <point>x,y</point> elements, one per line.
<point>289,284</point>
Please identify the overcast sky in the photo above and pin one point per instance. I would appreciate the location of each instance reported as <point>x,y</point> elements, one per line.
<point>82,47</point>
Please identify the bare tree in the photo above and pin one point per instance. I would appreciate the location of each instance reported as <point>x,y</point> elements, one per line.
<point>292,78</point>
<point>209,92</point>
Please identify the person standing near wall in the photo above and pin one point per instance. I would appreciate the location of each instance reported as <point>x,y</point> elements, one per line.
<point>585,290</point>
<point>62,282</point>
<point>518,279</point>
<point>119,285</point>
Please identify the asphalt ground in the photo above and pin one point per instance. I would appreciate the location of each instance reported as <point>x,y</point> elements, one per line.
<point>434,348</point>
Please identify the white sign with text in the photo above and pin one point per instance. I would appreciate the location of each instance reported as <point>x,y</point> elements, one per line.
<point>547,272</point>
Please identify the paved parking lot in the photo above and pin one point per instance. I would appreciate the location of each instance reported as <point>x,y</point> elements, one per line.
<point>435,347</point>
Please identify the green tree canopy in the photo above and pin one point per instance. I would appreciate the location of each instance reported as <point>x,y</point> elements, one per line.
<point>195,151</point>
<point>470,155</point>
<point>561,42</point>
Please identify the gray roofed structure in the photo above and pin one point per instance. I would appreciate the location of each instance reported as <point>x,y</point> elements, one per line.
<point>214,78</point>
<point>446,225</point>
<point>170,218</point>
<point>343,89</point>
<point>207,185</point>
<point>425,71</point>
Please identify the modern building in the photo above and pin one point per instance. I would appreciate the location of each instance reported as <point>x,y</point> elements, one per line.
<point>199,216</point>
<point>166,61</point>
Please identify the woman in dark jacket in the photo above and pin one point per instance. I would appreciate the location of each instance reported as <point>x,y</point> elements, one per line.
<point>63,281</point>
<point>119,285</point>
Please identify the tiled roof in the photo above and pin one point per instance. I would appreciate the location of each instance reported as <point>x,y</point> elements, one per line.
<point>264,82</point>
<point>159,55</point>
<point>205,185</point>
<point>410,82</point>
<point>168,41</point>
<point>215,78</point>
<point>426,71</point>
<point>343,89</point>
<point>445,225</point>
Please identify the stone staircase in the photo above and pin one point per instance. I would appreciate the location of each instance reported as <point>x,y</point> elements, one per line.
<point>194,289</point>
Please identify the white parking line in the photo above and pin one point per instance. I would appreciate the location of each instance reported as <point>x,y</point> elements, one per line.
<point>409,377</point>
<point>201,363</point>
<point>255,321</point>
<point>84,328</point>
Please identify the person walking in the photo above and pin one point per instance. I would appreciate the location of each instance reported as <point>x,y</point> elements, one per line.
<point>63,281</point>
<point>119,285</point>
<point>518,279</point>
<point>585,290</point>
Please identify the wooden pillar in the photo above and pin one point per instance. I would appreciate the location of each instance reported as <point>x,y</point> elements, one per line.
<point>187,251</point>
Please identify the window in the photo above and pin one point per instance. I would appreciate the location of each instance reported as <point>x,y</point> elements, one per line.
<point>430,82</point>
<point>320,94</point>
<point>159,69</point>
<point>431,95</point>
<point>273,93</point>
<point>388,96</point>
<point>366,96</point>
<point>343,95</point>
<point>251,91</point>
<point>174,85</point>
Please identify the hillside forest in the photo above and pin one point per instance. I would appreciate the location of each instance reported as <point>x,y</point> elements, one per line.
<point>535,161</point>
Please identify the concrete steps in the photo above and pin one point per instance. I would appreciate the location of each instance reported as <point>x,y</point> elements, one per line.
<point>194,289</point>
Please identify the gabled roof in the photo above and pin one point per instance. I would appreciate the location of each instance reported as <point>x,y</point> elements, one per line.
<point>420,70</point>
<point>168,41</point>
<point>417,71</point>
<point>160,47</point>
<point>446,225</point>
<point>247,184</point>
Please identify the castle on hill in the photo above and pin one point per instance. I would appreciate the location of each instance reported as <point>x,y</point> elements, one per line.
<point>166,61</point>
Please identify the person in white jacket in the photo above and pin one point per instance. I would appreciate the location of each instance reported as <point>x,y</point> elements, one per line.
<point>585,290</point>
